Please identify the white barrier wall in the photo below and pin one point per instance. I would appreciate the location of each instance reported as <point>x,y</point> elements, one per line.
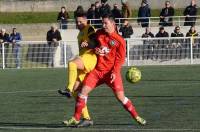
<point>140,51</point>
<point>54,5</point>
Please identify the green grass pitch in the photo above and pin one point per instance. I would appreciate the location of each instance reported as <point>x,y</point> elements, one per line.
<point>168,97</point>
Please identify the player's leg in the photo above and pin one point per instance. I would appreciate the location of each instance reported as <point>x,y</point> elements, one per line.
<point>117,87</point>
<point>128,105</point>
<point>80,104</point>
<point>89,84</point>
<point>73,66</point>
<point>86,120</point>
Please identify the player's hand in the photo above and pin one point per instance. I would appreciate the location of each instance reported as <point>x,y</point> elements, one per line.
<point>84,44</point>
<point>112,77</point>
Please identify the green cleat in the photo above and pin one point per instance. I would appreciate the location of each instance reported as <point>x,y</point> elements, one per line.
<point>140,120</point>
<point>71,122</point>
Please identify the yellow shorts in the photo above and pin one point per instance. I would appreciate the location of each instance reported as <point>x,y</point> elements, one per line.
<point>89,60</point>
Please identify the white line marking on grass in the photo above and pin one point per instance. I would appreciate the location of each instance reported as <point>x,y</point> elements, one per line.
<point>90,129</point>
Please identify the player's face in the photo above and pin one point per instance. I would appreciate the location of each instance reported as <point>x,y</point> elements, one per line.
<point>108,25</point>
<point>81,22</point>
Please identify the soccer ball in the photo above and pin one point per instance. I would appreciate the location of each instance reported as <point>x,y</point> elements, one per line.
<point>133,75</point>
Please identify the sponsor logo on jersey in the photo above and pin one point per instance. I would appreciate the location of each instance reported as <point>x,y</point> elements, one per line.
<point>112,42</point>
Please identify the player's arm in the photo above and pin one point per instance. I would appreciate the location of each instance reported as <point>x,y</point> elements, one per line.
<point>92,38</point>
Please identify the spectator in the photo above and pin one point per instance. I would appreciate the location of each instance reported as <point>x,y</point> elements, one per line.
<point>105,8</point>
<point>4,39</point>
<point>78,10</point>
<point>63,18</point>
<point>91,14</point>
<point>53,38</point>
<point>97,15</point>
<point>15,38</point>
<point>126,10</point>
<point>166,15</point>
<point>176,45</point>
<point>116,13</point>
<point>126,30</point>
<point>148,44</point>
<point>143,14</point>
<point>190,13</point>
<point>192,33</point>
<point>161,44</point>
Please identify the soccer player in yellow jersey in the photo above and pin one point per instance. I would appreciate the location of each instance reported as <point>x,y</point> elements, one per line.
<point>82,64</point>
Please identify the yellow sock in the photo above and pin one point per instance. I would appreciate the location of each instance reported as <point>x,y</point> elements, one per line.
<point>85,113</point>
<point>72,75</point>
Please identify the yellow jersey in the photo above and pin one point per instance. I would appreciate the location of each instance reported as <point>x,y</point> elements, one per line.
<point>84,35</point>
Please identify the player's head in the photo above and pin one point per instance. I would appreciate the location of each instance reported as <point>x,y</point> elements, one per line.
<point>81,20</point>
<point>108,22</point>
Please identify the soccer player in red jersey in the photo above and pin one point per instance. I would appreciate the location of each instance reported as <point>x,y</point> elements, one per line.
<point>110,55</point>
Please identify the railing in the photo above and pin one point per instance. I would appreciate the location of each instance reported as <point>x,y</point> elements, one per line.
<point>140,51</point>
<point>153,21</point>
<point>163,51</point>
<point>37,54</point>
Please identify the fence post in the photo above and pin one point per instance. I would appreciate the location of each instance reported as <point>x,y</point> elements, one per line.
<point>3,56</point>
<point>65,54</point>
<point>127,52</point>
<point>149,22</point>
<point>191,50</point>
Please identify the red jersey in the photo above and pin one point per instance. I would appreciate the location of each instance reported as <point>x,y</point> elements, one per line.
<point>113,47</point>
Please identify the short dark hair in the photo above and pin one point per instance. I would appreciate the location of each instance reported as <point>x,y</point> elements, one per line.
<point>81,14</point>
<point>109,16</point>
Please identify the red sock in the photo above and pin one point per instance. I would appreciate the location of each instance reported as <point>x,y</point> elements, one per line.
<point>80,104</point>
<point>130,108</point>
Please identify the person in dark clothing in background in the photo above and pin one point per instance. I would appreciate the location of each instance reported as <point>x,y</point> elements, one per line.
<point>143,13</point>
<point>190,13</point>
<point>15,39</point>
<point>105,8</point>
<point>78,10</point>
<point>162,44</point>
<point>62,18</point>
<point>195,42</point>
<point>116,14</point>
<point>53,37</point>
<point>166,15</point>
<point>148,44</point>
<point>98,23</point>
<point>126,29</point>
<point>175,47</point>
<point>91,14</point>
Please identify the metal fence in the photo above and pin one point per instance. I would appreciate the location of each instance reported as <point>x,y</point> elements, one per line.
<point>37,54</point>
<point>163,51</point>
<point>153,21</point>
<point>140,51</point>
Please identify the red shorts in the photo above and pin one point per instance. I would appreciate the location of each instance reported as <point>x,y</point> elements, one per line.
<point>96,78</point>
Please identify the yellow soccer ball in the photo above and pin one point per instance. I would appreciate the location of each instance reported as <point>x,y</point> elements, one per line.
<point>133,75</point>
